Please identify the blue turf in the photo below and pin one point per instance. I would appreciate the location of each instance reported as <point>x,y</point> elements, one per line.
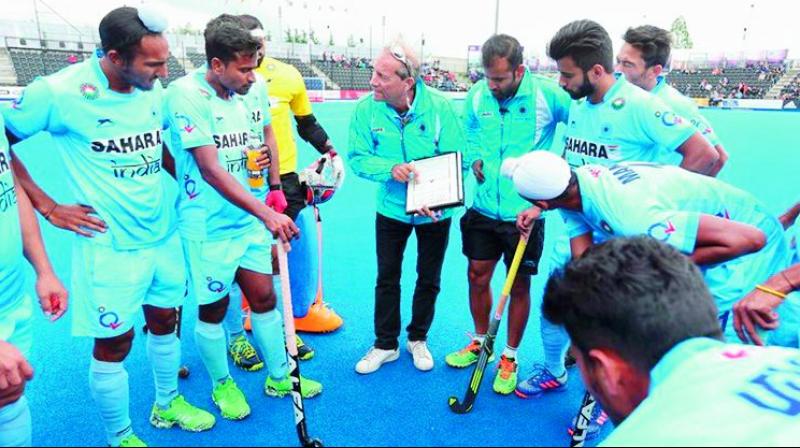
<point>397,405</point>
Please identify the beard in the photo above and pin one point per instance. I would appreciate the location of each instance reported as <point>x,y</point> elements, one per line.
<point>138,81</point>
<point>583,91</point>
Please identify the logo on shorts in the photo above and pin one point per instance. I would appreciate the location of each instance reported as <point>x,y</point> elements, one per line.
<point>618,103</point>
<point>661,231</point>
<point>109,319</point>
<point>215,285</point>
<point>190,187</point>
<point>90,91</point>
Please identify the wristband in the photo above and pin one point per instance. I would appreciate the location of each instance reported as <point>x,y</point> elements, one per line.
<point>275,187</point>
<point>771,291</point>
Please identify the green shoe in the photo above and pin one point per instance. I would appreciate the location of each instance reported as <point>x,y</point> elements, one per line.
<point>506,380</point>
<point>309,388</point>
<point>132,441</point>
<point>181,413</point>
<point>230,400</point>
<point>304,352</point>
<point>244,355</point>
<point>467,356</point>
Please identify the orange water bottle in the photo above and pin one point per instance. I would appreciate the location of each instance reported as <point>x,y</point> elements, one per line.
<point>255,174</point>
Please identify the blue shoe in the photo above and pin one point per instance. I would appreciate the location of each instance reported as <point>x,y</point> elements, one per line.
<point>599,418</point>
<point>540,382</point>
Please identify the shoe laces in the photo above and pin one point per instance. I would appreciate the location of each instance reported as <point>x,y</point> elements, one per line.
<point>372,355</point>
<point>244,348</point>
<point>507,367</point>
<point>420,350</point>
<point>474,345</point>
<point>541,374</point>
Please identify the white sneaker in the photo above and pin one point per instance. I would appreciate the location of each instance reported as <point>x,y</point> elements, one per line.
<point>423,360</point>
<point>375,358</point>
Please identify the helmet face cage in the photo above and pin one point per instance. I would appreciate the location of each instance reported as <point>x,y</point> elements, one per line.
<point>319,194</point>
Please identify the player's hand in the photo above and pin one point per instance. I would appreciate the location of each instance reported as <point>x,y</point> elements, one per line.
<point>276,200</point>
<point>77,218</point>
<point>425,211</point>
<point>404,172</point>
<point>756,309</point>
<point>14,372</point>
<point>477,170</point>
<point>52,296</point>
<point>526,218</point>
<point>281,226</point>
<point>264,160</point>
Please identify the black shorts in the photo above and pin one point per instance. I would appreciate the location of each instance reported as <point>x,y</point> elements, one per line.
<point>295,194</point>
<point>484,238</point>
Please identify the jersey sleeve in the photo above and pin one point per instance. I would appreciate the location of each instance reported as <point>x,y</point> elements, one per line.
<point>266,115</point>
<point>190,118</point>
<point>34,111</point>
<point>575,223</point>
<point>558,100</point>
<point>300,104</point>
<point>662,125</point>
<point>472,130</point>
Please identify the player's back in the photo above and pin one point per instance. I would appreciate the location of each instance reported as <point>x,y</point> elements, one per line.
<point>707,393</point>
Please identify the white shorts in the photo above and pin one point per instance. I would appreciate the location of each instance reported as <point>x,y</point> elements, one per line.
<point>110,286</point>
<point>212,265</point>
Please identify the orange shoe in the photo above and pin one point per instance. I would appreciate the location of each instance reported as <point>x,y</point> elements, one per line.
<point>320,319</point>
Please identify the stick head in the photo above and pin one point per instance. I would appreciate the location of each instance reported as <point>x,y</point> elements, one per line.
<point>312,443</point>
<point>458,407</point>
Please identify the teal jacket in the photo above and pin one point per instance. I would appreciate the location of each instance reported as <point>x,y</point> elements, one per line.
<point>496,131</point>
<point>381,139</point>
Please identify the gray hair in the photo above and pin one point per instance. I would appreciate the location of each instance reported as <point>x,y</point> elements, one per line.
<point>399,49</point>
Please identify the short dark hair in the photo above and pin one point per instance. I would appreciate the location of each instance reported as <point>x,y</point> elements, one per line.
<point>655,44</point>
<point>122,30</point>
<point>586,42</point>
<point>637,296</point>
<point>227,38</point>
<point>251,22</point>
<point>502,46</point>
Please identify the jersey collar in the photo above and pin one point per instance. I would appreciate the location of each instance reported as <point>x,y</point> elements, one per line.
<point>660,82</point>
<point>677,356</point>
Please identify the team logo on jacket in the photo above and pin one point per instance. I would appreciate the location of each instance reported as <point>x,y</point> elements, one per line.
<point>90,91</point>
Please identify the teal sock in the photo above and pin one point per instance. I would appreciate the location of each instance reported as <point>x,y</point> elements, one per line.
<point>268,333</point>
<point>556,343</point>
<point>210,341</point>
<point>15,424</point>
<point>108,383</point>
<point>164,353</point>
<point>234,322</point>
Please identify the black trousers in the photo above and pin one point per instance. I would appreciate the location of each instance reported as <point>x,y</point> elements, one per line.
<point>391,238</point>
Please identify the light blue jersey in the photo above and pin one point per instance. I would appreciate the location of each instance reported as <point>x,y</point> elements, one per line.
<point>686,108</point>
<point>111,144</point>
<point>199,117</point>
<point>707,393</point>
<point>666,203</point>
<point>12,277</point>
<point>628,125</point>
<point>496,130</point>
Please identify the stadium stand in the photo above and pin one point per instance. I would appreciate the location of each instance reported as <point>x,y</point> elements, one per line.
<point>735,82</point>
